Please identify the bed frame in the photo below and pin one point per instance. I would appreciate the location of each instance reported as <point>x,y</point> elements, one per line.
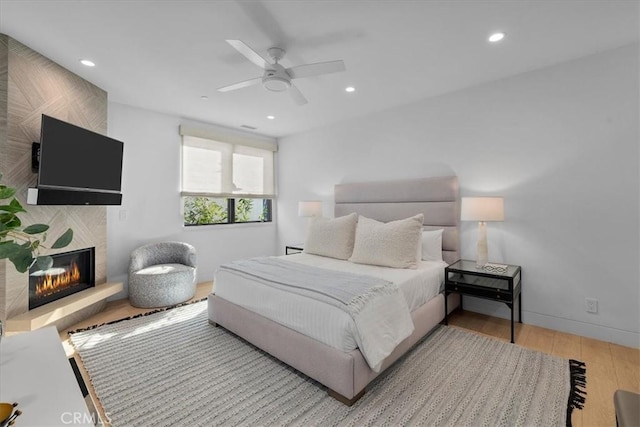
<point>346,374</point>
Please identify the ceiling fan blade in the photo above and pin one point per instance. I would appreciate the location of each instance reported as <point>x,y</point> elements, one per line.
<point>249,53</point>
<point>240,85</point>
<point>297,96</point>
<point>310,70</point>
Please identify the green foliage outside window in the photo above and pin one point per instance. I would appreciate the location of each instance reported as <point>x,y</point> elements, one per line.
<point>265,214</point>
<point>205,210</point>
<point>243,209</point>
<point>202,210</point>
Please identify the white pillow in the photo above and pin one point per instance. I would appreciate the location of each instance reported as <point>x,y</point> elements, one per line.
<point>432,245</point>
<point>331,237</point>
<point>391,244</point>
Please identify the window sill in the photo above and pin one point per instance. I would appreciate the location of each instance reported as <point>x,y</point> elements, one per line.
<point>226,226</point>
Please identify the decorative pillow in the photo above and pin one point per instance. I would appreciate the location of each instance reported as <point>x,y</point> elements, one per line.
<point>331,237</point>
<point>432,245</point>
<point>391,244</point>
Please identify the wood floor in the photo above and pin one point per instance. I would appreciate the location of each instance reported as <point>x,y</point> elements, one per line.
<point>609,366</point>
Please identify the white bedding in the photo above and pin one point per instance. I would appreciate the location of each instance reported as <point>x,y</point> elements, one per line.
<point>318,320</point>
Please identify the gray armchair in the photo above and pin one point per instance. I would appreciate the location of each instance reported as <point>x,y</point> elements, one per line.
<point>162,274</point>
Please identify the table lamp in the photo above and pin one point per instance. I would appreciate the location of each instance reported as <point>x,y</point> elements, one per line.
<point>482,209</point>
<point>309,208</point>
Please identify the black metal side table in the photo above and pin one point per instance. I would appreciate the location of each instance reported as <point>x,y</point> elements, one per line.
<point>293,249</point>
<point>464,278</point>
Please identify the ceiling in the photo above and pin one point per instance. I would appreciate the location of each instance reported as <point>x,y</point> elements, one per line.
<point>165,55</point>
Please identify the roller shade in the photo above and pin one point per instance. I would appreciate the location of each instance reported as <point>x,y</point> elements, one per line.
<point>213,168</point>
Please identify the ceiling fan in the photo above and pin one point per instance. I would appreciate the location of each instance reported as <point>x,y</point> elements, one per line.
<point>276,78</point>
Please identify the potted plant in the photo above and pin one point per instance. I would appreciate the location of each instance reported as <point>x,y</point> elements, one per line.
<point>21,245</point>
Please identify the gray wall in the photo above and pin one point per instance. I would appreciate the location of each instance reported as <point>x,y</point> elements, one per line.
<point>560,144</point>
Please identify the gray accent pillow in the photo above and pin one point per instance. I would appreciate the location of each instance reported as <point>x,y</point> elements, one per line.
<point>331,237</point>
<point>392,244</point>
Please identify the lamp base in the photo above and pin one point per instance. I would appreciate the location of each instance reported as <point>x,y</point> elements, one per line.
<point>482,254</point>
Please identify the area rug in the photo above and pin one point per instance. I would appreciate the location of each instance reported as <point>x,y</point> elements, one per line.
<point>173,368</point>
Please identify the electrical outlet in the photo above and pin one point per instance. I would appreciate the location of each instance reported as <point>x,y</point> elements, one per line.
<point>592,305</point>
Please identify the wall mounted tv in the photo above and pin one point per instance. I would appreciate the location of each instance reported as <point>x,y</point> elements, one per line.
<point>77,166</point>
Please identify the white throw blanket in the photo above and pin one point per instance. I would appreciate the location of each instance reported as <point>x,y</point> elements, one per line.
<point>378,308</point>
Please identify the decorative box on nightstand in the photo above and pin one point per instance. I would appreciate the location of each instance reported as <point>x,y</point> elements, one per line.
<point>465,278</point>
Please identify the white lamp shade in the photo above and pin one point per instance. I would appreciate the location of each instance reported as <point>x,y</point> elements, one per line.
<point>309,208</point>
<point>482,209</point>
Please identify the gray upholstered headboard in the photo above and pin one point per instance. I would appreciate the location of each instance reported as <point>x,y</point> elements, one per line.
<point>436,198</point>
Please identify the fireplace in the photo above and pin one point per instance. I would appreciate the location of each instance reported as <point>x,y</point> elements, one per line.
<point>71,272</point>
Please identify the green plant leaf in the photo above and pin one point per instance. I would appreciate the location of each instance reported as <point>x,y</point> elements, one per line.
<point>36,228</point>
<point>22,259</point>
<point>16,205</point>
<point>63,240</point>
<point>22,254</point>
<point>12,208</point>
<point>44,262</point>
<point>12,222</point>
<point>6,192</point>
<point>7,249</point>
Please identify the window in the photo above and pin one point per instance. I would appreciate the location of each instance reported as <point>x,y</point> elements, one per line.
<point>226,179</point>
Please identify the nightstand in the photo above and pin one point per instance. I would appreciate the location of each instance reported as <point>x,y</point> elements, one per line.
<point>464,278</point>
<point>293,249</point>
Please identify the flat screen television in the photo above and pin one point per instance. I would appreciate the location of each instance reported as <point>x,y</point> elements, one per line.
<point>74,158</point>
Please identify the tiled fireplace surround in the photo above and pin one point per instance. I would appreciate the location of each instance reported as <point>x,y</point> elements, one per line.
<point>30,85</point>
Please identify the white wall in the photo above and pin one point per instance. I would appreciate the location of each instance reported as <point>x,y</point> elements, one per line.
<point>560,144</point>
<point>151,200</point>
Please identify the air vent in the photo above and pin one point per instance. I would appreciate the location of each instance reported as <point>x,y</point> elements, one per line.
<point>248,127</point>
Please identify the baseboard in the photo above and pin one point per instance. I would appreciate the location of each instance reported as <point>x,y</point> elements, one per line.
<point>589,330</point>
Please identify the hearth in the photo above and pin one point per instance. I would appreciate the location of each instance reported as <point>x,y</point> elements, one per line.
<point>71,272</point>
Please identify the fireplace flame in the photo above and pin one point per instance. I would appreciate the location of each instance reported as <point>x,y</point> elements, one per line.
<point>49,284</point>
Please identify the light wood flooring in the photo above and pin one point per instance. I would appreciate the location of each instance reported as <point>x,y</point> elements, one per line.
<point>609,366</point>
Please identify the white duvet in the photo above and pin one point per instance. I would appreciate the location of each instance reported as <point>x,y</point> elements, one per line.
<point>322,321</point>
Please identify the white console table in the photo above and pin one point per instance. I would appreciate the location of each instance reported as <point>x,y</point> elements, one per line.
<point>35,372</point>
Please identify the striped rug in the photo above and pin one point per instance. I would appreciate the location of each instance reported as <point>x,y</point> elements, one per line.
<point>172,368</point>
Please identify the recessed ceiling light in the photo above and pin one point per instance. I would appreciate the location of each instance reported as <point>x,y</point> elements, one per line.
<point>350,89</point>
<point>496,37</point>
<point>87,63</point>
<point>271,117</point>
<point>204,97</point>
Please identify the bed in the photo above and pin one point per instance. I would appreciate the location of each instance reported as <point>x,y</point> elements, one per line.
<point>313,341</point>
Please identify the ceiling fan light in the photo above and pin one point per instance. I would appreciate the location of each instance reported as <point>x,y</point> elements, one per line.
<point>496,37</point>
<point>276,84</point>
